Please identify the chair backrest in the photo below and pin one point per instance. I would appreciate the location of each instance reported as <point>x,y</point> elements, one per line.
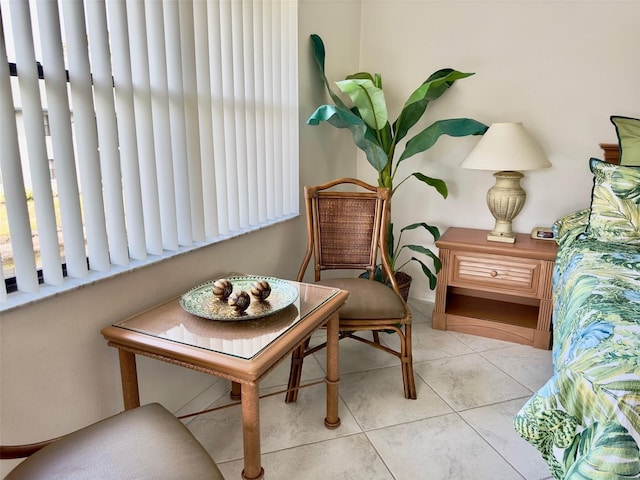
<point>347,229</point>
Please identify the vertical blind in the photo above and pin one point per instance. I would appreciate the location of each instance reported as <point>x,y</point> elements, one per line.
<point>171,124</point>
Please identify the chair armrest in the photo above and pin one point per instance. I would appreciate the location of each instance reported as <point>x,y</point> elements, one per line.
<point>10,452</point>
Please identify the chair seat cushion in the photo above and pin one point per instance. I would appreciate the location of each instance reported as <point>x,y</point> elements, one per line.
<point>367,299</point>
<point>144,443</point>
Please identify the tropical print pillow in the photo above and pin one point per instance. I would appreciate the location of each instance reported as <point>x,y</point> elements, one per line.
<point>571,226</point>
<point>628,131</point>
<point>615,203</point>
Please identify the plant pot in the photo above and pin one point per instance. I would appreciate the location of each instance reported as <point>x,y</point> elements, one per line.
<point>404,284</point>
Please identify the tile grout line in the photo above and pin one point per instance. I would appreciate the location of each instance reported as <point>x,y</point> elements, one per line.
<point>491,446</point>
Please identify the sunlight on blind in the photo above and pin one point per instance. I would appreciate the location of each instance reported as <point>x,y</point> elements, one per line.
<point>18,215</point>
<point>61,138</point>
<point>152,126</point>
<point>36,148</point>
<point>107,131</point>
<point>125,141</point>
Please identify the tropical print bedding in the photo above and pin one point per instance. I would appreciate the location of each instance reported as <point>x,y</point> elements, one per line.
<point>586,419</point>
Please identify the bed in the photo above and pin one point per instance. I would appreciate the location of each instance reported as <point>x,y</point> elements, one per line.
<point>585,420</point>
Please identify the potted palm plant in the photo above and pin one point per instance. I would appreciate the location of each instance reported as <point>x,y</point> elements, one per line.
<point>368,121</point>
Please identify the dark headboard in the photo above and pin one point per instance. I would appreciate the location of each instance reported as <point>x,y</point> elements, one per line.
<point>611,152</point>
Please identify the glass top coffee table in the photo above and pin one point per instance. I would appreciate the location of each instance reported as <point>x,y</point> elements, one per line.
<point>243,350</point>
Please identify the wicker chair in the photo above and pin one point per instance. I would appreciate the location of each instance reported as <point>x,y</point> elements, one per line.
<point>347,231</point>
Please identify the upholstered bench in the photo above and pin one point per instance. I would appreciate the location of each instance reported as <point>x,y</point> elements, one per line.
<point>144,443</point>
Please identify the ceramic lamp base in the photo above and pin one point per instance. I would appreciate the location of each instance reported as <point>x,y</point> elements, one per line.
<point>501,237</point>
<point>505,200</point>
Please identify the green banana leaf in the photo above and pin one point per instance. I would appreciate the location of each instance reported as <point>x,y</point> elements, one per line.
<point>433,279</point>
<point>343,118</point>
<point>415,106</point>
<point>396,250</point>
<point>454,127</point>
<point>439,185</point>
<point>319,56</point>
<point>368,99</point>
<point>365,91</point>
<point>435,233</point>
<point>375,78</point>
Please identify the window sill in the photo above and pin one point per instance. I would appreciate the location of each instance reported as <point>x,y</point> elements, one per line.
<point>22,299</point>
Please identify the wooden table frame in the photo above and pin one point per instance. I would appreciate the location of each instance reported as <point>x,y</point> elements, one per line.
<point>245,372</point>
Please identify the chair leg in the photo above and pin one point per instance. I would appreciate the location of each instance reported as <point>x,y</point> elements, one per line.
<point>408,379</point>
<point>406,359</point>
<point>295,373</point>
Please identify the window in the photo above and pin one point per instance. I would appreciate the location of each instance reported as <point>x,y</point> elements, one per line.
<point>131,130</point>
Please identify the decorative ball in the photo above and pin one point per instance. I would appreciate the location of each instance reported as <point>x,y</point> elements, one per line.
<point>261,289</point>
<point>222,288</point>
<point>239,301</point>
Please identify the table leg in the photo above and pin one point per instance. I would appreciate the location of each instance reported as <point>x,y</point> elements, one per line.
<point>129,375</point>
<point>235,391</point>
<point>333,336</point>
<point>251,432</point>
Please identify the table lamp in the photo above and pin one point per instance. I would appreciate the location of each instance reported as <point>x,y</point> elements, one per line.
<point>506,148</point>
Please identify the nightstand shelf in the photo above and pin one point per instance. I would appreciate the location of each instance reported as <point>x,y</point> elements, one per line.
<point>493,310</point>
<point>495,289</point>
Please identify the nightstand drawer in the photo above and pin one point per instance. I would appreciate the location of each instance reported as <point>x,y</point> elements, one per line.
<point>495,273</point>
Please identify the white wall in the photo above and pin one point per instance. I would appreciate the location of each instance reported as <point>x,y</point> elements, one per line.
<point>325,150</point>
<point>560,67</point>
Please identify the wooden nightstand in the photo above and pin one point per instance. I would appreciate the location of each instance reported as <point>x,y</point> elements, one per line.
<point>496,290</point>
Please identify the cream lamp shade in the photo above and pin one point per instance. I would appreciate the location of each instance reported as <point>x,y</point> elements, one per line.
<point>507,149</point>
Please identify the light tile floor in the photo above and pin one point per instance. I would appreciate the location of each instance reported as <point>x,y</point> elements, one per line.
<point>460,427</point>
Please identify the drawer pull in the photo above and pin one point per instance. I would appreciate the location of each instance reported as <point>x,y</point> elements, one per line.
<point>493,273</point>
